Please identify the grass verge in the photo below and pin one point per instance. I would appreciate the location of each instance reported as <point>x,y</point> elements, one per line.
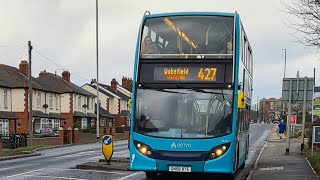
<point>21,150</point>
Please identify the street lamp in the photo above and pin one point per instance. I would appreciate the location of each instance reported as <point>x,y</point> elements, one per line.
<point>285,62</point>
<point>97,48</point>
<point>284,75</point>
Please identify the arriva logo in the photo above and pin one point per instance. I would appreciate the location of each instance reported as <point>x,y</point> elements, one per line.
<point>180,145</point>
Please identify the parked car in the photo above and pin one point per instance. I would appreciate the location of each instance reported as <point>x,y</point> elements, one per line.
<point>39,133</point>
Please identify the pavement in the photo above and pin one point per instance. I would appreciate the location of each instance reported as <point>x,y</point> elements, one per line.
<point>274,164</point>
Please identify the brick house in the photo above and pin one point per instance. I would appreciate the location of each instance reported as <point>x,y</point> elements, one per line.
<point>270,109</point>
<point>45,101</point>
<point>114,99</point>
<point>77,104</point>
<point>6,114</point>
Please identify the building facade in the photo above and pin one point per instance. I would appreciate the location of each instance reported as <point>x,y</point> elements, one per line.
<point>114,99</point>
<point>77,104</point>
<point>14,102</point>
<point>270,109</point>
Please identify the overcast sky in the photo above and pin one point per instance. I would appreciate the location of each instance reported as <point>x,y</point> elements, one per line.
<point>63,31</point>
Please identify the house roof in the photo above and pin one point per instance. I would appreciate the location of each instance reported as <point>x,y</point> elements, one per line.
<point>103,112</point>
<point>7,115</point>
<point>39,114</point>
<point>59,84</point>
<point>101,90</point>
<point>125,113</point>
<point>118,93</point>
<point>79,114</point>
<point>11,77</point>
<point>56,116</point>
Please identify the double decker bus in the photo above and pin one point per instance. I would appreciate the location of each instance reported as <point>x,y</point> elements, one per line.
<point>192,90</point>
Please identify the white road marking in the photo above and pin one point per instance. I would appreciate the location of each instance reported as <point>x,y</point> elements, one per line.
<point>96,157</point>
<point>271,168</point>
<point>14,167</point>
<point>84,170</point>
<point>75,155</point>
<point>126,177</point>
<point>54,177</point>
<point>20,174</point>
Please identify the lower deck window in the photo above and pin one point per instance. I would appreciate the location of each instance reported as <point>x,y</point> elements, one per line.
<point>4,127</point>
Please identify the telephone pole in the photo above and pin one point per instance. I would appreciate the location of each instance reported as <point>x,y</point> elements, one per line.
<point>30,94</point>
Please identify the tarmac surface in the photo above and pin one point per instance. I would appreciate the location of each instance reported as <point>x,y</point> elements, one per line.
<point>275,164</point>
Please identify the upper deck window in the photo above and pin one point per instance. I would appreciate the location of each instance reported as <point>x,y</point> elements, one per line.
<point>187,37</point>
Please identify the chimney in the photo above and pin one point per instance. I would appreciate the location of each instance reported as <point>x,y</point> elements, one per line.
<point>126,82</point>
<point>66,76</point>
<point>93,81</point>
<point>42,73</point>
<point>114,84</point>
<point>23,67</point>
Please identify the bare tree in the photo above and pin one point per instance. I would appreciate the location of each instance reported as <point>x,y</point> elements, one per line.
<point>304,19</point>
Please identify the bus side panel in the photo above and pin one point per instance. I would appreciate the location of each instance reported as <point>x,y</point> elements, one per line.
<point>242,147</point>
<point>223,164</point>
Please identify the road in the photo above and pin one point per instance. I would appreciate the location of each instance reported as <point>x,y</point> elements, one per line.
<point>59,163</point>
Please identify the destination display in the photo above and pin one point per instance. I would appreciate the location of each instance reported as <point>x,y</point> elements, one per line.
<point>205,73</point>
<point>186,73</point>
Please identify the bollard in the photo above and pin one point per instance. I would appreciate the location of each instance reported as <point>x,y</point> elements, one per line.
<point>69,135</point>
<point>76,135</point>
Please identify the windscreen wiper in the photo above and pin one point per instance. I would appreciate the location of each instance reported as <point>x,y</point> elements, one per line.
<point>160,89</point>
<point>198,90</point>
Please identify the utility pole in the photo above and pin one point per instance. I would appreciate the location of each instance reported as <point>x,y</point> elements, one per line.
<point>304,112</point>
<point>97,48</point>
<point>257,108</point>
<point>30,94</point>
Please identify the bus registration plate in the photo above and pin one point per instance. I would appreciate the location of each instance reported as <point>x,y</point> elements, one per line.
<point>179,169</point>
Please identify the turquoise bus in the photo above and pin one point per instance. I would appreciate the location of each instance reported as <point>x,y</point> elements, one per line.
<point>191,94</point>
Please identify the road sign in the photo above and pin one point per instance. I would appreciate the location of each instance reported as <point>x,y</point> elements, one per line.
<point>293,119</point>
<point>316,134</point>
<point>297,90</point>
<point>107,147</point>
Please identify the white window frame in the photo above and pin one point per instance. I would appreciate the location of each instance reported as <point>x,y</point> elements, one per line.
<point>84,101</point>
<point>50,101</point>
<point>45,123</point>
<point>38,99</point>
<point>84,123</point>
<point>4,127</point>
<point>79,102</point>
<point>5,99</point>
<point>57,101</point>
<point>89,103</point>
<point>55,124</point>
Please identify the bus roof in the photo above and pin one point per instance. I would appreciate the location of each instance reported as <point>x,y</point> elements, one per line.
<point>191,14</point>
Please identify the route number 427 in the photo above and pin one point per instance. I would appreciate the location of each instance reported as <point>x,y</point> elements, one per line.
<point>207,74</point>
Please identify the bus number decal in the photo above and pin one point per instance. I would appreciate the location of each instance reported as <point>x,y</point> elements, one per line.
<point>207,74</point>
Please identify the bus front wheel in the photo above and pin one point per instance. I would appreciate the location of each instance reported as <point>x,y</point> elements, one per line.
<point>151,175</point>
<point>230,177</point>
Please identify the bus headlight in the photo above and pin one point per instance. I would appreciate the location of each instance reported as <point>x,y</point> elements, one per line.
<point>218,151</point>
<point>143,148</point>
